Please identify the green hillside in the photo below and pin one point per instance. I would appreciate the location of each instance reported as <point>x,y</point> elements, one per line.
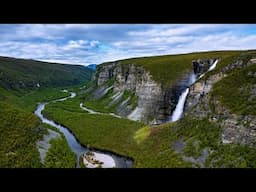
<point>189,142</point>
<point>237,91</point>
<point>167,69</point>
<point>192,141</point>
<point>19,132</point>
<point>22,74</point>
<point>19,94</point>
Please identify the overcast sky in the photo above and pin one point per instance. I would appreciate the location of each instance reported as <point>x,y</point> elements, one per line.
<point>96,43</point>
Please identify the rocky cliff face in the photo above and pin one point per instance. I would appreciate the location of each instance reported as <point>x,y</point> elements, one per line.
<point>200,66</point>
<point>198,97</point>
<point>151,97</point>
<point>155,103</point>
<point>239,129</point>
<point>198,93</point>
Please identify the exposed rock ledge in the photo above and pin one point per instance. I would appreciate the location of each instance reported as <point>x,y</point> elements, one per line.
<point>239,129</point>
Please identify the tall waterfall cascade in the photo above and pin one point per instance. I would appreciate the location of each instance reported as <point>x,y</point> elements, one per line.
<point>178,111</point>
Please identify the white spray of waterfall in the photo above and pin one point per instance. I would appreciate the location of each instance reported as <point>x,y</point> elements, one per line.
<point>177,113</point>
<point>192,78</point>
<point>201,76</point>
<point>210,69</point>
<point>213,65</point>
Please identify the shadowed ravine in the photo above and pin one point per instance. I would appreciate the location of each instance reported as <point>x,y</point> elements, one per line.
<point>74,144</point>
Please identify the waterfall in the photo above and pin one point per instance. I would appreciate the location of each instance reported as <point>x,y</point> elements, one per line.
<point>213,65</point>
<point>177,113</point>
<point>192,79</point>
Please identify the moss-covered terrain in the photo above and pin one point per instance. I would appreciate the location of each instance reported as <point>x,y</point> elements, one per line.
<point>167,69</point>
<point>19,132</point>
<point>189,142</point>
<point>19,94</point>
<point>23,74</point>
<point>153,146</point>
<point>21,129</point>
<point>237,91</point>
<point>117,135</point>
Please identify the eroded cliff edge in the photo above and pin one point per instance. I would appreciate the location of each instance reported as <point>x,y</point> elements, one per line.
<point>156,102</point>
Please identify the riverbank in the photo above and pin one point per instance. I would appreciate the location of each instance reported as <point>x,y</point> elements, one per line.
<point>109,133</point>
<point>98,160</point>
<point>75,146</point>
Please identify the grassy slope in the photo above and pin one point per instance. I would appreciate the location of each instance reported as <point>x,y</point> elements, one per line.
<point>118,136</point>
<point>20,74</point>
<point>95,129</point>
<point>231,58</point>
<point>152,151</point>
<point>29,100</point>
<point>19,132</point>
<point>19,127</point>
<point>59,155</point>
<point>235,91</point>
<point>207,135</point>
<point>169,68</point>
<point>152,147</point>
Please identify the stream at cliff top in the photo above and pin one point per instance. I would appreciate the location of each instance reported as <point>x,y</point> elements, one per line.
<point>110,159</point>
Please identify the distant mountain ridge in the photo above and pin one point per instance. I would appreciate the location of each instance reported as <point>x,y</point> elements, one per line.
<point>92,66</point>
<point>19,74</point>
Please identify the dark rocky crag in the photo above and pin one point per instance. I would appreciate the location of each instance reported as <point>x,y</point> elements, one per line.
<point>200,66</point>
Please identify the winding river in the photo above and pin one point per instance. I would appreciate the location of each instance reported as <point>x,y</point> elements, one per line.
<point>109,159</point>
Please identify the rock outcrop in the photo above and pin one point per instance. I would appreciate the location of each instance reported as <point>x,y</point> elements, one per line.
<point>239,129</point>
<point>151,97</point>
<point>198,97</point>
<point>200,66</point>
<point>198,93</point>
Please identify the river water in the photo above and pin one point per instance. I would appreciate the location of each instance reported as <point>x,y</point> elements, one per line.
<point>74,144</point>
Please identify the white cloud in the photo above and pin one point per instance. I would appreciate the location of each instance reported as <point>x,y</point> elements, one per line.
<point>93,43</point>
<point>175,30</point>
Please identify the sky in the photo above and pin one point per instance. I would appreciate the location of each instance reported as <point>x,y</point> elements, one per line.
<point>85,44</point>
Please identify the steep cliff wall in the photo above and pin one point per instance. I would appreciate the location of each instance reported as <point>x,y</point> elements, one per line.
<point>155,102</point>
<point>151,97</point>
